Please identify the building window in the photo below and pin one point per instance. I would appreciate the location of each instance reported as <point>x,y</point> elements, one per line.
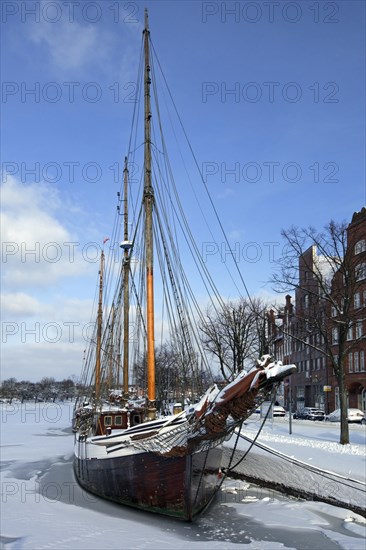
<point>357,300</point>
<point>358,329</point>
<point>306,300</point>
<point>334,311</point>
<point>350,362</point>
<point>300,393</point>
<point>360,246</point>
<point>356,365</point>
<point>118,420</point>
<point>107,421</point>
<point>350,333</point>
<point>360,271</point>
<point>335,335</point>
<point>362,361</point>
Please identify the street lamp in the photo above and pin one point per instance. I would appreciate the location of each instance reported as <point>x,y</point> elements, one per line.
<point>289,395</point>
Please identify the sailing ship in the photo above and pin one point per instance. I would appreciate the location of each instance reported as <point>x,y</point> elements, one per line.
<point>133,449</point>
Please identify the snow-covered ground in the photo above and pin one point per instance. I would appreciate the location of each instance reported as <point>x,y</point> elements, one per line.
<point>315,465</point>
<point>43,506</point>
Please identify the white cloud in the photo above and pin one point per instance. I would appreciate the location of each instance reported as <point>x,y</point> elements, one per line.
<point>70,45</point>
<point>26,221</point>
<point>18,304</point>
<point>79,45</point>
<point>36,247</point>
<point>235,234</point>
<point>43,339</point>
<point>44,326</point>
<point>32,361</point>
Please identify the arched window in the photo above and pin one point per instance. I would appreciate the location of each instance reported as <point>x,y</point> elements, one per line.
<point>360,246</point>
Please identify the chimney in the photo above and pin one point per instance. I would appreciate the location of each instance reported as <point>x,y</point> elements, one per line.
<point>289,306</point>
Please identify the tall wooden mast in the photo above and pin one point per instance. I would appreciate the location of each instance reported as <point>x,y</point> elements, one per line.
<point>148,204</point>
<point>99,329</point>
<point>111,377</point>
<point>126,294</point>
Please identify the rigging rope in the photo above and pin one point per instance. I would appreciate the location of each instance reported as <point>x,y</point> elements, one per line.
<point>230,467</point>
<point>171,220</point>
<point>259,314</point>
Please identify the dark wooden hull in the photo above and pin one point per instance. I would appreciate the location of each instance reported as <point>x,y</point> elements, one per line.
<point>177,486</point>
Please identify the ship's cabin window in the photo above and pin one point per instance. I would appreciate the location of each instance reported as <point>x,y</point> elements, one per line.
<point>118,420</point>
<point>136,419</point>
<point>107,421</point>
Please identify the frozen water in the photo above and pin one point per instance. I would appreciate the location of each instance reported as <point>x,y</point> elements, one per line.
<point>43,506</point>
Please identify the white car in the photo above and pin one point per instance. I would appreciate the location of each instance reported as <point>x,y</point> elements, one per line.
<point>278,410</point>
<point>353,415</point>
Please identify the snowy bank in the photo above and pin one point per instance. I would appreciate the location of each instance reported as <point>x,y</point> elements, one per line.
<point>308,463</point>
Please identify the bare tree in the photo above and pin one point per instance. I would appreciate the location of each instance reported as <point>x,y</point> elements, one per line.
<point>173,379</point>
<point>9,389</point>
<point>235,334</point>
<point>322,269</point>
<point>47,384</point>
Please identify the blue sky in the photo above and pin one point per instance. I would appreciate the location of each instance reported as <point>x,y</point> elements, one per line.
<point>271,95</point>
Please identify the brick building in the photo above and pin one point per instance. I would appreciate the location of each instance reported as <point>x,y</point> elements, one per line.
<point>355,360</point>
<point>295,329</point>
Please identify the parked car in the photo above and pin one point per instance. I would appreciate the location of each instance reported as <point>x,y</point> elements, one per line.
<point>353,415</point>
<point>310,413</point>
<point>278,410</point>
